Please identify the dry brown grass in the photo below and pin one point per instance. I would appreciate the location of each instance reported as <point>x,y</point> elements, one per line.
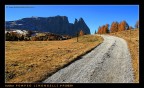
<point>133,44</point>
<point>33,61</point>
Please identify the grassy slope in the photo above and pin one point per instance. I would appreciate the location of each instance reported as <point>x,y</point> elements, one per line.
<point>33,61</point>
<point>133,44</point>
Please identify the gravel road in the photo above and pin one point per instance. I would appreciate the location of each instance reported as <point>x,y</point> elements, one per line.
<point>110,62</point>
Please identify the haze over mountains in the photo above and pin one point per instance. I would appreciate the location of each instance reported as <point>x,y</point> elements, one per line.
<point>57,24</point>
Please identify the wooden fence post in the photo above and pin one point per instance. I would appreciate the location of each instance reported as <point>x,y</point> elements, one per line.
<point>77,37</point>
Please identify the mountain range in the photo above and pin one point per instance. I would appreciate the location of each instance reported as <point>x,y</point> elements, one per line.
<point>56,24</point>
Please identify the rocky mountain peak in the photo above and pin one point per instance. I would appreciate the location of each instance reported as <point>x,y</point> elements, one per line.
<point>76,21</point>
<point>81,19</point>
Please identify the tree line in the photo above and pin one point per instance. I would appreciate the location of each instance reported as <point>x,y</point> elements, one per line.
<point>14,36</point>
<point>115,27</point>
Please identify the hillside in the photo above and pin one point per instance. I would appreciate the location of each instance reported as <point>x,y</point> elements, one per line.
<point>33,61</point>
<point>57,24</point>
<point>132,38</point>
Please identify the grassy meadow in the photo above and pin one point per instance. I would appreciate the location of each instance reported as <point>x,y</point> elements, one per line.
<point>33,61</point>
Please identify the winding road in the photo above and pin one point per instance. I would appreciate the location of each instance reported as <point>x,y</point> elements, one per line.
<point>110,62</point>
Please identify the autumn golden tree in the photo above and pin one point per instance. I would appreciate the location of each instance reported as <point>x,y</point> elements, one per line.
<point>114,27</point>
<point>137,24</point>
<point>99,30</point>
<point>81,33</point>
<point>103,29</point>
<point>123,26</point>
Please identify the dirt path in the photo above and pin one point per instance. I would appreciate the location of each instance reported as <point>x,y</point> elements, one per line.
<point>110,62</point>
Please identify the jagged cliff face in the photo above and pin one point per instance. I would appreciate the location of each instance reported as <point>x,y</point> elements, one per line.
<point>57,24</point>
<point>81,25</point>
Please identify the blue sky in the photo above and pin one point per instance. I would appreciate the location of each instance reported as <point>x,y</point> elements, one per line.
<point>93,15</point>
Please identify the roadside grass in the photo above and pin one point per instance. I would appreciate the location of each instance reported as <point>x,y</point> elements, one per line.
<point>132,38</point>
<point>34,61</point>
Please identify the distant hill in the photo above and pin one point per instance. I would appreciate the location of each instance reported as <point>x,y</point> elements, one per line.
<point>57,24</point>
